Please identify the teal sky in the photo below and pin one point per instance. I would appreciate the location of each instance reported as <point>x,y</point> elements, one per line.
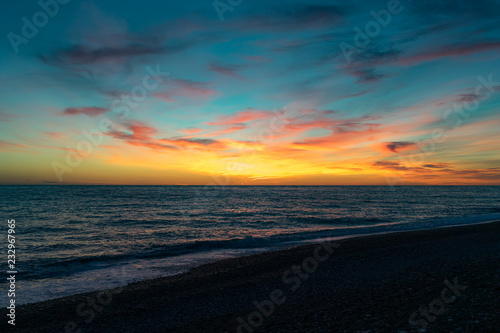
<point>363,92</point>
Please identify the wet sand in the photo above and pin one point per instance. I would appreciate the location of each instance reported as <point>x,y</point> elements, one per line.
<point>443,279</point>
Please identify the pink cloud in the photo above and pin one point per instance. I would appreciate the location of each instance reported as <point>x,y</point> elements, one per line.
<point>230,129</point>
<point>190,130</point>
<point>289,122</point>
<point>344,135</point>
<point>439,171</point>
<point>54,135</point>
<point>7,146</point>
<point>241,117</point>
<point>6,116</point>
<point>227,70</point>
<point>308,119</point>
<point>451,51</point>
<point>142,135</point>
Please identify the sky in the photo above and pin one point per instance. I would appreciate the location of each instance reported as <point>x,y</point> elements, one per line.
<point>240,92</point>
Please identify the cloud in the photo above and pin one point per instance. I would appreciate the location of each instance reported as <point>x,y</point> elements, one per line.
<point>141,135</point>
<point>468,97</point>
<point>6,116</point>
<point>389,165</point>
<point>88,111</point>
<point>303,120</point>
<point>258,58</point>
<point>8,146</point>
<point>227,70</point>
<point>241,117</point>
<point>451,51</point>
<point>361,93</point>
<point>480,174</point>
<point>185,89</point>
<point>82,54</point>
<point>136,133</point>
<point>396,146</point>
<point>230,129</point>
<point>55,135</point>
<point>455,10</point>
<point>377,52</point>
<point>309,17</point>
<point>104,39</point>
<point>436,165</point>
<point>292,120</point>
<point>102,47</point>
<point>365,61</point>
<point>344,134</point>
<point>439,171</point>
<point>190,130</point>
<point>197,143</point>
<point>368,75</point>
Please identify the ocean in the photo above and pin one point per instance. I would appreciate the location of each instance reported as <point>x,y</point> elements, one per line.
<point>74,239</point>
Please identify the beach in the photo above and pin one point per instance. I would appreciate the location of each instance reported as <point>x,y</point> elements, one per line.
<point>372,283</point>
<point>258,166</point>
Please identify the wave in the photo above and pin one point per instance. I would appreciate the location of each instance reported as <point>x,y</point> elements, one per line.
<point>72,265</point>
<point>340,221</point>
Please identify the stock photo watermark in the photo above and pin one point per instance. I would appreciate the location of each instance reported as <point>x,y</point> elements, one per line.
<point>293,279</point>
<point>121,106</point>
<point>437,306</point>
<point>31,27</point>
<point>11,271</point>
<point>372,29</point>
<point>222,6</point>
<point>267,133</point>
<point>93,306</point>
<point>454,117</point>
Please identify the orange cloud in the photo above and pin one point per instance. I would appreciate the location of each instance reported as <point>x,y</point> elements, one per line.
<point>241,117</point>
<point>7,146</point>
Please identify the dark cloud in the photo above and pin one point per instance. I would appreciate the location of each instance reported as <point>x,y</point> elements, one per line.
<point>365,62</point>
<point>88,111</point>
<point>389,165</point>
<point>467,97</point>
<point>394,146</point>
<point>441,170</point>
<point>136,133</point>
<point>355,126</point>
<point>368,75</point>
<point>181,88</point>
<point>455,10</point>
<point>377,53</point>
<point>226,69</point>
<point>81,54</point>
<point>204,142</point>
<point>436,165</point>
<point>294,18</point>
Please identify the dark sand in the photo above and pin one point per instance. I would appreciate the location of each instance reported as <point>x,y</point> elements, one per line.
<point>368,284</point>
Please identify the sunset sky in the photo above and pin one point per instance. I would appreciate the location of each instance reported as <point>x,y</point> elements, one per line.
<point>254,93</point>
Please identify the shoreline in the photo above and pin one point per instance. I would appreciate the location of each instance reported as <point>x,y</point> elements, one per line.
<point>249,279</point>
<point>207,254</point>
